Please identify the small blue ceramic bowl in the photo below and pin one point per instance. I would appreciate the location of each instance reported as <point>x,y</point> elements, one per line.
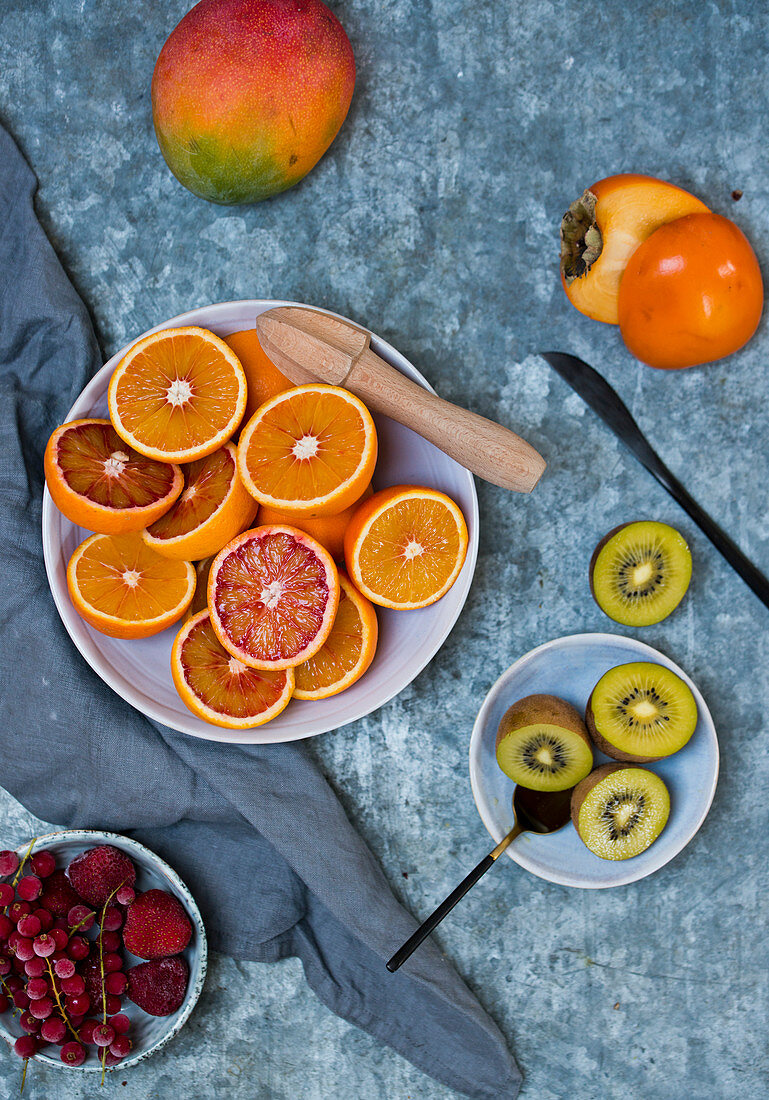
<point>148,1033</point>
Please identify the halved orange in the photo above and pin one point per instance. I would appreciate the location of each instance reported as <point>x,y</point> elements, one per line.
<point>101,484</point>
<point>177,395</point>
<point>308,451</point>
<point>126,590</point>
<point>272,595</point>
<point>262,376</point>
<point>327,530</point>
<point>213,508</point>
<point>346,653</point>
<point>405,546</point>
<point>217,687</point>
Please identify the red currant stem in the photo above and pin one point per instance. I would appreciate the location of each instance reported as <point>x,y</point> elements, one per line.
<point>17,876</point>
<point>23,1075</point>
<point>14,1011</point>
<point>103,1065</point>
<point>103,986</point>
<point>58,1000</point>
<point>74,927</point>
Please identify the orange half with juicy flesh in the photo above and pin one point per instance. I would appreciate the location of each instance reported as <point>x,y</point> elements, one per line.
<point>219,688</point>
<point>405,546</point>
<point>100,483</point>
<point>124,589</point>
<point>213,508</point>
<point>347,652</point>
<point>308,451</point>
<point>272,595</point>
<point>177,395</point>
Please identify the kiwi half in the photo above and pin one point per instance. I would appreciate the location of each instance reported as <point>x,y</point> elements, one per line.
<point>640,572</point>
<point>542,744</point>
<point>640,712</point>
<point>619,811</point>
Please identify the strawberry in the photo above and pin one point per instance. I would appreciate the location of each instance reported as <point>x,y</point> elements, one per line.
<point>159,986</point>
<point>157,925</point>
<point>99,871</point>
<point>58,897</point>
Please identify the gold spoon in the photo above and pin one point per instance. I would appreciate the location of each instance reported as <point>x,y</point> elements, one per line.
<point>534,812</point>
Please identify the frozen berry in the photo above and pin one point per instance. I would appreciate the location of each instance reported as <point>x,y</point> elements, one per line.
<point>103,1035</point>
<point>41,1009</point>
<point>78,948</point>
<point>76,1021</point>
<point>37,988</point>
<point>112,1004</point>
<point>112,962</point>
<point>73,1054</point>
<point>60,937</point>
<point>112,919</point>
<point>29,925</point>
<point>45,918</point>
<point>35,967</point>
<point>24,948</point>
<point>29,1023</point>
<point>110,941</point>
<point>53,1030</point>
<point>29,888</point>
<point>120,1022</point>
<point>7,893</point>
<point>79,1004</point>
<point>159,986</point>
<point>58,896</point>
<point>80,917</point>
<point>157,925</point>
<point>115,983</point>
<point>26,1046</point>
<point>6,926</point>
<point>73,986</point>
<point>111,1059</point>
<point>44,944</point>
<point>18,910</point>
<point>125,895</point>
<point>12,983</point>
<point>21,999</point>
<point>5,965</point>
<point>64,967</point>
<point>87,1028</point>
<point>98,872</point>
<point>120,1046</point>
<point>43,864</point>
<point>9,862</point>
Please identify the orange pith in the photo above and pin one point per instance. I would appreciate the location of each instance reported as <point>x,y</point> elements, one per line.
<point>263,377</point>
<point>310,450</point>
<point>213,508</point>
<point>99,483</point>
<point>124,589</point>
<point>327,530</point>
<point>347,652</point>
<point>177,395</point>
<point>405,546</point>
<point>217,687</point>
<point>272,594</point>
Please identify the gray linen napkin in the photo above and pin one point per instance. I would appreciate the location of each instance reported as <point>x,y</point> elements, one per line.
<point>258,834</point>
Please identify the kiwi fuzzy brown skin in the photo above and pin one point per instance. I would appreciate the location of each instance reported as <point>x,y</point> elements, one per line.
<point>583,789</point>
<point>548,709</point>
<point>606,747</point>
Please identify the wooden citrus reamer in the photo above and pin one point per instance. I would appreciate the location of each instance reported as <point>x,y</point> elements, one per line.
<point>310,346</point>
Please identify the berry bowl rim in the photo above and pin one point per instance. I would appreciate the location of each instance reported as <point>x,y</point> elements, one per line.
<point>94,838</point>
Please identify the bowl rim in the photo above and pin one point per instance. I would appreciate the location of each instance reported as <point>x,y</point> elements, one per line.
<point>476,746</point>
<point>90,650</point>
<point>197,977</point>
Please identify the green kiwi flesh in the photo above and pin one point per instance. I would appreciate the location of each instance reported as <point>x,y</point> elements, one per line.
<point>640,712</point>
<point>640,572</point>
<point>618,811</point>
<point>542,744</point>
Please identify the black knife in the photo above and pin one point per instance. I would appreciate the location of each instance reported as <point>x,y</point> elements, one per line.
<point>596,392</point>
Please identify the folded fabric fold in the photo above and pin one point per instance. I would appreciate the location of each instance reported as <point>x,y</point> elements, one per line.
<point>256,831</point>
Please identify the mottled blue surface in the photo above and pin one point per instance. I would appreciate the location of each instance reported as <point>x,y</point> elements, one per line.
<point>433,220</point>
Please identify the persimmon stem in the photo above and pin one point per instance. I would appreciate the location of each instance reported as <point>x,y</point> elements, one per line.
<point>581,240</point>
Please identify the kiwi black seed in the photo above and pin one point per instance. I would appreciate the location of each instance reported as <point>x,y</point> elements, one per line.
<point>640,712</point>
<point>542,744</point>
<point>618,811</point>
<point>640,572</point>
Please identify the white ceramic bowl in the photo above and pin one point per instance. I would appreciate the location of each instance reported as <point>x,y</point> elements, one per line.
<point>140,672</point>
<point>570,668</point>
<point>148,1033</point>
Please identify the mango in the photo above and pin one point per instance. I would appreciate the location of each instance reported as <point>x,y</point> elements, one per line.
<point>247,95</point>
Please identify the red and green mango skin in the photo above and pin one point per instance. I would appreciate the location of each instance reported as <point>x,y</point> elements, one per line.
<point>247,95</point>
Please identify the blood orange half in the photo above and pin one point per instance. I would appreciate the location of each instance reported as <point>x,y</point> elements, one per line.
<point>219,688</point>
<point>98,482</point>
<point>213,508</point>
<point>346,653</point>
<point>272,595</point>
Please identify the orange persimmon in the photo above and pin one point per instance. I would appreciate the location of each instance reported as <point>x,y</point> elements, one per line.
<point>691,293</point>
<point>602,230</point>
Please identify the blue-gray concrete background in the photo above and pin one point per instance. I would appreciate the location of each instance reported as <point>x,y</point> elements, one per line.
<point>433,220</point>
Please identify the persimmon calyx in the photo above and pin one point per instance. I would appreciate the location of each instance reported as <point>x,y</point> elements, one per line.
<point>581,240</point>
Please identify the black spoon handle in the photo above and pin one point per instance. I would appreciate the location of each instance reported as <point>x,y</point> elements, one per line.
<point>427,926</point>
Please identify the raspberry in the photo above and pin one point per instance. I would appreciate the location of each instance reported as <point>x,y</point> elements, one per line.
<point>64,968</point>
<point>7,893</point>
<point>35,967</point>
<point>45,918</point>
<point>125,895</point>
<point>24,948</point>
<point>43,864</point>
<point>73,986</point>
<point>112,919</point>
<point>73,1054</point>
<point>115,982</point>
<point>78,948</point>
<point>79,1004</point>
<point>60,938</point>
<point>99,871</point>
<point>29,926</point>
<point>110,941</point>
<point>9,862</point>
<point>44,944</point>
<point>42,1008</point>
<point>58,897</point>
<point>120,1022</point>
<point>157,925</point>
<point>159,986</point>
<point>80,917</point>
<point>86,1030</point>
<point>37,988</point>
<point>120,1046</point>
<point>29,1023</point>
<point>26,1046</point>
<point>53,1030</point>
<point>29,888</point>
<point>103,1035</point>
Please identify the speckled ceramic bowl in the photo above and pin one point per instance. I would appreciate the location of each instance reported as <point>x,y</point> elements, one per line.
<point>148,1033</point>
